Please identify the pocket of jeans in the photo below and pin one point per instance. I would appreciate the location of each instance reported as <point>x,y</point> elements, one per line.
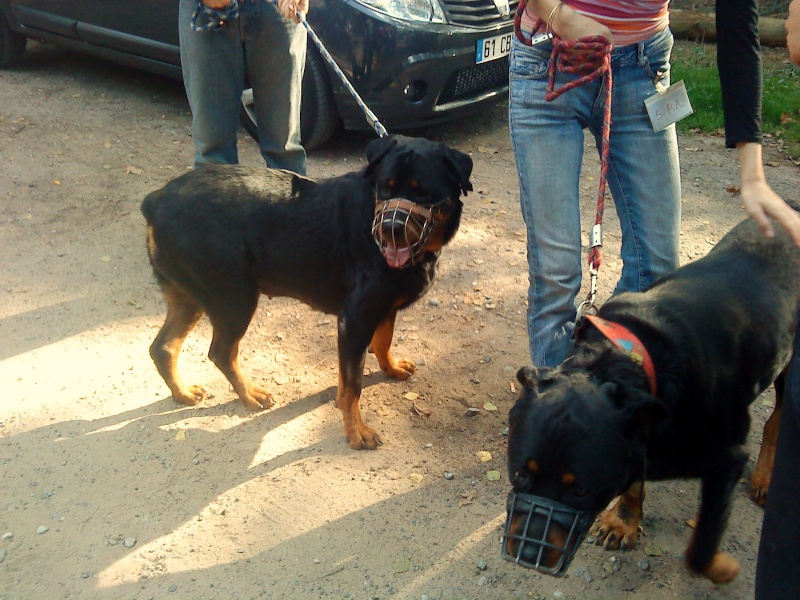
<point>528,63</point>
<point>657,62</point>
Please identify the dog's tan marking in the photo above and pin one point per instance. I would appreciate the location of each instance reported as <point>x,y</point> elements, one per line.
<point>762,473</point>
<point>380,346</point>
<point>359,434</point>
<point>568,478</point>
<point>532,466</point>
<point>620,526</point>
<point>182,315</point>
<point>723,568</point>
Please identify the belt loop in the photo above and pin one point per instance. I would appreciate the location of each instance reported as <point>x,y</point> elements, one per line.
<point>641,53</point>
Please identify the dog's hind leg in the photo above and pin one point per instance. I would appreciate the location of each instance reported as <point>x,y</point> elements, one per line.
<point>703,555</point>
<point>381,346</point>
<point>183,313</point>
<point>762,473</point>
<point>230,317</point>
<point>620,526</point>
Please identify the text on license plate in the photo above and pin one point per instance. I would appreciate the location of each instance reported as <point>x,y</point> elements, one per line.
<point>493,48</point>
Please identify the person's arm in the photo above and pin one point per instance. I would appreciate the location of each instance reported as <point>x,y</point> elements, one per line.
<point>739,63</point>
<point>793,32</point>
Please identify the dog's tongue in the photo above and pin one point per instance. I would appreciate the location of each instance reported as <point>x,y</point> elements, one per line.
<point>396,257</point>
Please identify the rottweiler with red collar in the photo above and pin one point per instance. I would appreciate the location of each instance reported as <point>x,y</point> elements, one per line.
<point>361,246</point>
<point>659,388</point>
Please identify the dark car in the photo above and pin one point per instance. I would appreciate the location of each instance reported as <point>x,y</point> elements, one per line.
<point>413,62</point>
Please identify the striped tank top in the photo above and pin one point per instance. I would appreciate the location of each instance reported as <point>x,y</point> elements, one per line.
<point>630,21</point>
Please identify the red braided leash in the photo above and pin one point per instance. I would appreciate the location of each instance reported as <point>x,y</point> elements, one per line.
<point>590,58</point>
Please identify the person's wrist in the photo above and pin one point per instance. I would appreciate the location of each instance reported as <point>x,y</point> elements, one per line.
<point>553,15</point>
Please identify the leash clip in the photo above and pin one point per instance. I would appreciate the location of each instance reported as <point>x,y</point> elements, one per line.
<point>588,307</point>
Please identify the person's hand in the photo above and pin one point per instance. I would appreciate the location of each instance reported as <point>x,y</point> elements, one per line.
<point>571,25</point>
<point>217,4</point>
<point>793,32</point>
<point>567,23</point>
<point>759,199</point>
<point>290,8</point>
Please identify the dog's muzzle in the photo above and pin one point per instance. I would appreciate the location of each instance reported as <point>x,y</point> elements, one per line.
<point>543,534</point>
<point>401,229</point>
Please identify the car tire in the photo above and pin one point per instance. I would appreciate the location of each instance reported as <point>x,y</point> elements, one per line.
<point>12,44</point>
<point>318,116</point>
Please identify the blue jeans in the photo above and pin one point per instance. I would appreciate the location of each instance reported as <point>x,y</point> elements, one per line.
<point>643,177</point>
<point>777,575</point>
<point>271,50</point>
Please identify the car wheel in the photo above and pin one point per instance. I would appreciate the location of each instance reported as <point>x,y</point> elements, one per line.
<point>318,116</point>
<point>12,44</point>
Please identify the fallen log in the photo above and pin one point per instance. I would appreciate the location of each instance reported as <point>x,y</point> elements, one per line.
<point>701,27</point>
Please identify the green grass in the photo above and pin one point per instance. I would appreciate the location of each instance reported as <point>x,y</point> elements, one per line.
<point>695,64</point>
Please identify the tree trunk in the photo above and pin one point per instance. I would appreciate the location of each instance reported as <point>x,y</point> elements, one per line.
<point>698,26</point>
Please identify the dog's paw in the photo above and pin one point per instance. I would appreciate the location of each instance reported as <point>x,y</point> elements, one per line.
<point>614,533</point>
<point>723,568</point>
<point>759,484</point>
<point>364,438</point>
<point>258,399</point>
<point>401,369</point>
<point>194,394</point>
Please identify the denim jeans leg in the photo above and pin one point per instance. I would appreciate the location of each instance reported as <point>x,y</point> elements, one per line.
<point>275,52</point>
<point>777,575</point>
<point>547,138</point>
<point>644,172</point>
<point>213,74</point>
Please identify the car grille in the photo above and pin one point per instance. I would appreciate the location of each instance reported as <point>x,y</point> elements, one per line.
<point>475,13</point>
<point>473,81</point>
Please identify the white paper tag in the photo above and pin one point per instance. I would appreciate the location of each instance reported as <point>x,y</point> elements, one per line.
<point>669,106</point>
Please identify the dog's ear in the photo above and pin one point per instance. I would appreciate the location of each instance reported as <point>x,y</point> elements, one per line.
<point>530,377</point>
<point>527,377</point>
<point>460,166</point>
<point>641,411</point>
<point>377,151</point>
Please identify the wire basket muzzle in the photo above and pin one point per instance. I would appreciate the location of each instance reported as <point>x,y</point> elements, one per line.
<point>542,534</point>
<point>401,229</point>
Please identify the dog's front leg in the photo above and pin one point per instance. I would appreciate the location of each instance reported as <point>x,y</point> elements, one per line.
<point>620,526</point>
<point>354,336</point>
<point>703,555</point>
<point>381,346</point>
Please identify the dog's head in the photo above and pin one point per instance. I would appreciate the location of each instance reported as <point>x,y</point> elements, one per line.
<point>574,443</point>
<point>417,185</point>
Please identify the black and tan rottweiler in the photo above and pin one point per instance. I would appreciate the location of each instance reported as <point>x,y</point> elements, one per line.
<point>662,394</point>
<point>361,246</point>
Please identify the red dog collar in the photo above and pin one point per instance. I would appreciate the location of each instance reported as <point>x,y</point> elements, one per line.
<point>624,339</point>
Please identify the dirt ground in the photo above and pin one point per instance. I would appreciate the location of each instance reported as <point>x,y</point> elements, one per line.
<point>109,489</point>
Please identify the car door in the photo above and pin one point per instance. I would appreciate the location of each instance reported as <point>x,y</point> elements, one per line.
<point>146,28</point>
<point>59,17</point>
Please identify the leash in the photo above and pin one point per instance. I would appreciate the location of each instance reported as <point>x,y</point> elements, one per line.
<point>216,19</point>
<point>590,58</point>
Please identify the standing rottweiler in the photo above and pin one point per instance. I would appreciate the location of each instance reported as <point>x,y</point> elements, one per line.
<point>659,389</point>
<point>361,246</point>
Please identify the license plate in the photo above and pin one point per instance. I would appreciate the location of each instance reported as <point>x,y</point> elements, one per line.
<point>492,48</point>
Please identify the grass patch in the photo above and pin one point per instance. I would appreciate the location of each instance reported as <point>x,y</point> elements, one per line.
<point>696,65</point>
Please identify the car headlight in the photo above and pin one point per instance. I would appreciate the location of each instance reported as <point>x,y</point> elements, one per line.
<point>427,11</point>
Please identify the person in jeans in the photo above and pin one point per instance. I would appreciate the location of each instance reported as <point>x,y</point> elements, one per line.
<point>643,174</point>
<point>262,41</point>
<point>777,575</point>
